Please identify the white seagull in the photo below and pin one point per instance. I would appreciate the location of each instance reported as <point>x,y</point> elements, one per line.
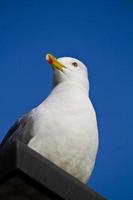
<point>63,128</point>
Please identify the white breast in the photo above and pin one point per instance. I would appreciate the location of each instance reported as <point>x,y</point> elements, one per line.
<point>65,132</point>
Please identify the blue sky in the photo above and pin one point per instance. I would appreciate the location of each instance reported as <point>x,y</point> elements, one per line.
<point>100,33</point>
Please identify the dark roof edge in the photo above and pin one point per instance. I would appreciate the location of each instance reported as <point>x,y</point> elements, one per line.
<point>44,172</point>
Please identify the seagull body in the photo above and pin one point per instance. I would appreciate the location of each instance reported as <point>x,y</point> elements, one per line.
<point>63,128</point>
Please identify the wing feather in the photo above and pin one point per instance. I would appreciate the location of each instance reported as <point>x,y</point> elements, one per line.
<point>21,130</point>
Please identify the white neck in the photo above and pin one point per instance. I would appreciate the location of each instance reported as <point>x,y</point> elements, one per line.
<point>69,87</point>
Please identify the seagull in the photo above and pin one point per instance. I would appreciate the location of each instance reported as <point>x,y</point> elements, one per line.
<point>63,128</point>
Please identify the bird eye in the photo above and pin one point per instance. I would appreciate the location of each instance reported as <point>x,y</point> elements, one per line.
<point>75,64</point>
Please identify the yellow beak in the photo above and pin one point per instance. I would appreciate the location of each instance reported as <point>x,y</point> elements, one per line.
<point>54,62</point>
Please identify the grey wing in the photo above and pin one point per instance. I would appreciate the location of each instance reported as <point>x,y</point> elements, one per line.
<point>21,130</point>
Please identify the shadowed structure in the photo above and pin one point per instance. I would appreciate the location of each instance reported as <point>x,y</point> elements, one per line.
<point>25,174</point>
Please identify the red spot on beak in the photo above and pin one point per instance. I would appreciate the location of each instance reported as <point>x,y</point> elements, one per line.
<point>50,60</point>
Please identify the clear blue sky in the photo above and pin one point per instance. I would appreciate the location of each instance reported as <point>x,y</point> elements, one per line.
<point>100,33</point>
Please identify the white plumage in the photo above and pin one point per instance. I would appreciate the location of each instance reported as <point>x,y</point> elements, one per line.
<point>63,128</point>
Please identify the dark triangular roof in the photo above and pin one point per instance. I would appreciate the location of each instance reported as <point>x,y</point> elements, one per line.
<point>25,174</point>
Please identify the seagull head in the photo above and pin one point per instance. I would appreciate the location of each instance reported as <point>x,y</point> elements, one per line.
<point>69,70</point>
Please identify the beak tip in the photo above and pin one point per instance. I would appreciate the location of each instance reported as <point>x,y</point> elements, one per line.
<point>48,58</point>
